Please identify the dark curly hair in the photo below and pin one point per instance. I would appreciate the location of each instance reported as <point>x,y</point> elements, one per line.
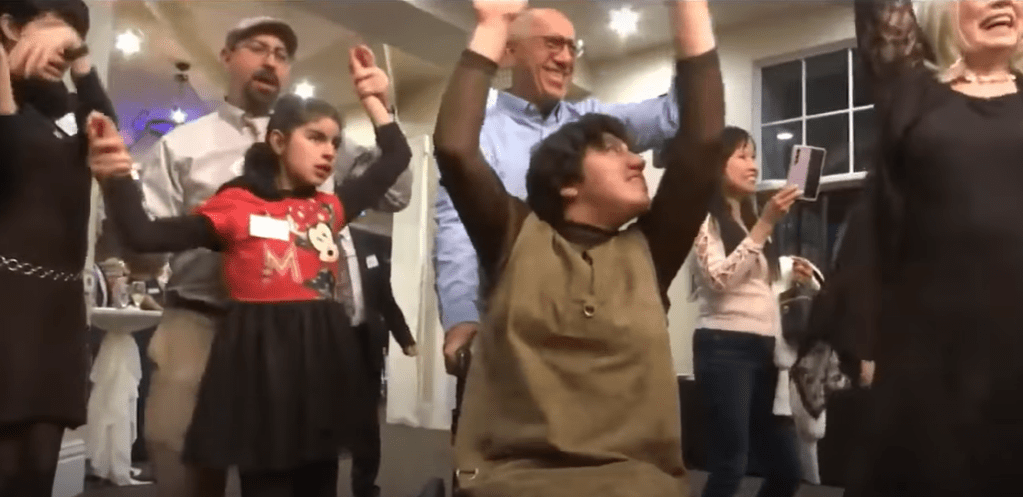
<point>73,12</point>
<point>558,162</point>
<point>262,164</point>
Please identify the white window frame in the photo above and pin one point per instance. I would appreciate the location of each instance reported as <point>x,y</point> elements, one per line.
<point>831,181</point>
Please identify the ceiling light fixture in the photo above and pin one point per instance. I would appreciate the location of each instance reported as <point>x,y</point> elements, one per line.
<point>128,43</point>
<point>624,21</point>
<point>305,90</point>
<point>785,135</point>
<point>178,115</point>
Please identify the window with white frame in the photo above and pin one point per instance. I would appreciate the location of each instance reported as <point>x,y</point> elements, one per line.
<point>817,98</point>
<point>820,100</point>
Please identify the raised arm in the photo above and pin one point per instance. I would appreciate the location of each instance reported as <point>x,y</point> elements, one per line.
<point>110,163</point>
<point>143,235</point>
<point>889,42</point>
<point>90,93</point>
<point>490,215</point>
<point>720,271</point>
<point>366,190</point>
<point>371,85</point>
<point>357,162</point>
<point>691,166</point>
<point>652,122</point>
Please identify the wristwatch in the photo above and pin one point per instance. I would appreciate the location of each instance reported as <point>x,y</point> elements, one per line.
<point>73,54</point>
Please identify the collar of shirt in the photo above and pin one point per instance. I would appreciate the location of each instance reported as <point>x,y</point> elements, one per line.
<point>238,118</point>
<point>520,108</point>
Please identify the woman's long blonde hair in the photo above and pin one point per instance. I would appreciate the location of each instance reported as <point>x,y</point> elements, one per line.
<point>939,22</point>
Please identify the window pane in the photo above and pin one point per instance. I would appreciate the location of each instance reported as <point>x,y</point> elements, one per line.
<point>827,82</point>
<point>786,234</point>
<point>776,149</point>
<point>861,86</point>
<point>832,134</point>
<point>781,92</point>
<point>865,136</point>
<point>811,229</point>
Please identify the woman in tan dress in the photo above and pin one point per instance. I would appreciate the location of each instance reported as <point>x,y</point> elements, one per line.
<point>572,391</point>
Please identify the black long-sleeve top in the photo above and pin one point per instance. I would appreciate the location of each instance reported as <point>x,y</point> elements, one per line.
<point>45,190</point>
<point>945,231</point>
<point>143,235</point>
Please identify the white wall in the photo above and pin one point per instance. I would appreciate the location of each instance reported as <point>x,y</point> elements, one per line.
<point>648,74</point>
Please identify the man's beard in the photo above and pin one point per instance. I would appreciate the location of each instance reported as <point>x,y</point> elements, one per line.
<point>258,101</point>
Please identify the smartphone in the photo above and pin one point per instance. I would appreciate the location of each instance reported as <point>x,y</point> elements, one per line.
<point>805,170</point>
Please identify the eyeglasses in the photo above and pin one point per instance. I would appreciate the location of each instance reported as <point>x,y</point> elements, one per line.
<point>262,49</point>
<point>555,44</point>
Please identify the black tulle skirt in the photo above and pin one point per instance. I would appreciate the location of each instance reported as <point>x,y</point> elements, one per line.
<point>285,385</point>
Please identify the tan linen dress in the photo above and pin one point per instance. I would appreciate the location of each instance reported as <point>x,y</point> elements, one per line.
<point>572,388</point>
<point>572,391</point>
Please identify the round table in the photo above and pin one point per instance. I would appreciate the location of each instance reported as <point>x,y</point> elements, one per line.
<point>113,404</point>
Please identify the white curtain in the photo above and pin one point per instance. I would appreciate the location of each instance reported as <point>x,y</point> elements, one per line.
<point>419,392</point>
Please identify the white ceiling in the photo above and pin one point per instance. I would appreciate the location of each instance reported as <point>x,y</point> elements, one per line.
<point>592,19</point>
<point>193,31</point>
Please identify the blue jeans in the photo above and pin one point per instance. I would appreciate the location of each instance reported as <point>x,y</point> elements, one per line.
<point>736,380</point>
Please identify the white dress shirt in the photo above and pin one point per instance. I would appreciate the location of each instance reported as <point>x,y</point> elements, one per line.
<point>355,276</point>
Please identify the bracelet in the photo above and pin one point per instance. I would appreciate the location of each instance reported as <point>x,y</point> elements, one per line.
<point>73,54</point>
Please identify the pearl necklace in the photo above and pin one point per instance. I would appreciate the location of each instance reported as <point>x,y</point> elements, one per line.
<point>969,77</point>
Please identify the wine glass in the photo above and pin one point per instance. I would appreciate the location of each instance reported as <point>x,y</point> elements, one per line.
<point>138,292</point>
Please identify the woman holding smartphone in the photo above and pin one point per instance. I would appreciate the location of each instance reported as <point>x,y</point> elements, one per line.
<point>739,326</point>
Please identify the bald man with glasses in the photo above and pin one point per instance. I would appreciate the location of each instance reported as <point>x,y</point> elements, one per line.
<point>542,51</point>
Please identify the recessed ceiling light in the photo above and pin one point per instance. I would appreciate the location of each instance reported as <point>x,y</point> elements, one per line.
<point>128,43</point>
<point>624,21</point>
<point>305,90</point>
<point>785,135</point>
<point>178,115</point>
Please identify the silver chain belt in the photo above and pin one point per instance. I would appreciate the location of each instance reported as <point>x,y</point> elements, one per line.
<point>13,265</point>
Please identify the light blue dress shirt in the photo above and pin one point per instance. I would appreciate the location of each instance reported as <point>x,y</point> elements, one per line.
<point>512,128</point>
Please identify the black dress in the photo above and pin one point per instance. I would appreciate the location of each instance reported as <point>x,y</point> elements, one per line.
<point>285,384</point>
<point>45,189</point>
<point>947,414</point>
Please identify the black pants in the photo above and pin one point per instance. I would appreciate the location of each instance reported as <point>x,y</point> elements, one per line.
<point>28,459</point>
<point>366,460</point>
<point>736,379</point>
<point>366,448</point>
<point>318,479</point>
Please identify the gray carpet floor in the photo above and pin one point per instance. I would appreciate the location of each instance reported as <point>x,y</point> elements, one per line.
<point>411,457</point>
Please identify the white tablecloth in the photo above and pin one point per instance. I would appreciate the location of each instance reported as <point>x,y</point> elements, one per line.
<point>113,404</point>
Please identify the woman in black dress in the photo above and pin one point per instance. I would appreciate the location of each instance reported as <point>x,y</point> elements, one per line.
<point>285,388</point>
<point>45,188</point>
<point>947,417</point>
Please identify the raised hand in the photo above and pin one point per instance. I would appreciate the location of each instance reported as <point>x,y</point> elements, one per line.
<point>778,206</point>
<point>40,52</point>
<point>369,80</point>
<point>498,11</point>
<point>108,155</point>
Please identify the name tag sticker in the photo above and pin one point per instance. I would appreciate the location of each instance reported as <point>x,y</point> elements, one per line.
<point>268,227</point>
<point>371,262</point>
<point>68,125</point>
